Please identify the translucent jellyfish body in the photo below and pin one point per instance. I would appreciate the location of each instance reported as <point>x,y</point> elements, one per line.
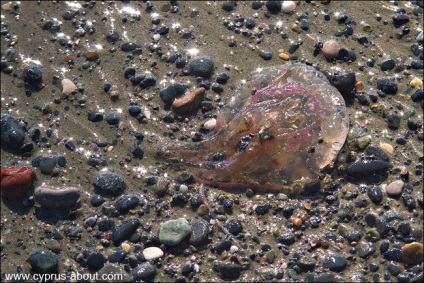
<point>279,130</point>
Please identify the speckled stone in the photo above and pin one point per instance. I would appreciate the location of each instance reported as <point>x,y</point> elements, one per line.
<point>395,188</point>
<point>144,272</point>
<point>172,232</point>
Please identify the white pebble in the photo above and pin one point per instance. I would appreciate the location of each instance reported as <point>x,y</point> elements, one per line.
<point>156,37</point>
<point>234,249</point>
<point>183,189</point>
<point>68,86</point>
<point>152,253</point>
<point>210,124</point>
<point>288,6</point>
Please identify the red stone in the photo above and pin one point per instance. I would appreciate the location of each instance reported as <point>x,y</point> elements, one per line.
<point>16,181</point>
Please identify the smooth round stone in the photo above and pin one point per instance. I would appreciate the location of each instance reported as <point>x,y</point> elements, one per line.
<point>288,6</point>
<point>95,261</point>
<point>210,124</point>
<point>335,263</point>
<point>130,46</point>
<point>56,197</point>
<point>47,164</point>
<point>96,200</point>
<point>126,203</point>
<point>125,230</point>
<point>395,188</point>
<point>375,194</point>
<point>32,74</point>
<point>152,253</point>
<point>330,49</point>
<point>118,256</point>
<point>171,92</point>
<point>68,86</point>
<point>12,136</point>
<point>199,232</point>
<point>109,183</point>
<point>172,232</point>
<point>144,272</point>
<point>274,7</point>
<point>112,36</point>
<point>412,253</point>
<point>201,67</point>
<point>43,261</point>
<point>112,118</point>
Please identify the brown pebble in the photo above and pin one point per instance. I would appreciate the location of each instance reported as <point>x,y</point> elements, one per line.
<point>412,253</point>
<point>114,95</point>
<point>387,148</point>
<point>330,49</point>
<point>92,55</point>
<point>284,56</point>
<point>358,86</point>
<point>189,102</point>
<point>68,58</point>
<point>202,210</point>
<point>296,29</point>
<point>296,221</point>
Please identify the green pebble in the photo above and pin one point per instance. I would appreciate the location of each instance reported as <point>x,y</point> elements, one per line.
<point>363,142</point>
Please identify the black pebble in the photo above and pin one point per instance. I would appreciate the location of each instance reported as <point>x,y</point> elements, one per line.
<point>129,72</point>
<point>266,55</point>
<point>171,92</point>
<point>70,145</point>
<point>163,30</point>
<point>144,272</point>
<point>112,36</point>
<point>69,14</point>
<point>125,230</point>
<point>12,136</point>
<point>43,261</point>
<point>387,85</point>
<point>354,236</point>
<point>130,46</point>
<point>393,120</point>
<point>417,95</point>
<point>263,209</point>
<point>199,232</point>
<point>201,67</point>
<point>362,39</point>
<point>256,5</point>
<point>217,88</point>
<point>106,224</point>
<point>229,270</point>
<point>118,256</point>
<point>32,74</point>
<point>222,246</point>
<point>417,64</point>
<point>126,203</point>
<point>250,23</point>
<point>377,152</point>
<point>366,249</point>
<point>393,254</point>
<point>95,116</point>
<point>95,261</point>
<point>295,45</point>
<point>96,200</point>
<point>112,118</point>
<point>148,80</point>
<point>108,183</point>
<point>222,78</point>
<point>274,7</point>
<point>387,65</point>
<point>375,194</point>
<point>344,82</point>
<point>335,263</point>
<point>233,226</point>
<point>228,6</point>
<point>361,169</point>
<point>134,110</point>
<point>400,19</point>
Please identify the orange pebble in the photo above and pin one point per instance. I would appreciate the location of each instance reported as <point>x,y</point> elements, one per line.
<point>358,86</point>
<point>284,56</point>
<point>296,221</point>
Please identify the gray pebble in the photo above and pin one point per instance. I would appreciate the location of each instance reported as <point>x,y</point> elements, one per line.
<point>50,197</point>
<point>335,263</point>
<point>199,232</point>
<point>109,183</point>
<point>47,164</point>
<point>144,272</point>
<point>172,232</point>
<point>43,261</point>
<point>201,67</point>
<point>125,230</point>
<point>112,117</point>
<point>12,136</point>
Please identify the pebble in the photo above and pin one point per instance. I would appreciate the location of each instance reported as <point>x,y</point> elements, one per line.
<point>288,6</point>
<point>152,253</point>
<point>344,82</point>
<point>400,19</point>
<point>228,6</point>
<point>360,168</point>
<point>330,49</point>
<point>12,136</point>
<point>387,85</point>
<point>62,197</point>
<point>375,194</point>
<point>47,164</point>
<point>307,263</point>
<point>201,67</point>
<point>393,120</point>
<point>43,261</point>
<point>266,55</point>
<point>118,256</point>
<point>412,253</point>
<point>363,142</point>
<point>395,188</point>
<point>106,224</point>
<point>125,230</point>
<point>172,232</point>
<point>189,102</point>
<point>229,271</point>
<point>32,74</point>
<point>417,64</point>
<point>134,110</point>
<point>366,249</point>
<point>416,82</point>
<point>16,181</point>
<point>210,124</point>
<point>53,245</point>
<point>126,203</point>
<point>284,56</point>
<point>68,87</point>
<point>96,200</point>
<point>112,36</point>
<point>110,270</point>
<point>387,148</point>
<point>112,118</point>
<point>416,96</point>
<point>393,254</point>
<point>274,7</point>
<point>130,46</point>
<point>377,152</point>
<point>335,263</point>
<point>171,92</point>
<point>233,226</point>
<point>387,65</point>
<point>94,116</point>
<point>92,55</point>
<point>144,272</point>
<point>108,183</point>
<point>95,261</point>
<point>199,232</point>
